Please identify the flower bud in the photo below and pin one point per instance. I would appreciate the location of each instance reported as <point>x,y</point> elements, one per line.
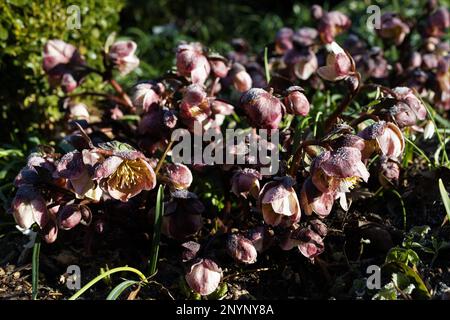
<point>122,56</point>
<point>192,63</point>
<point>241,249</point>
<point>338,66</point>
<point>29,207</point>
<point>283,40</point>
<point>429,130</point>
<point>178,176</point>
<point>240,78</point>
<point>204,277</point>
<point>262,108</point>
<point>296,102</point>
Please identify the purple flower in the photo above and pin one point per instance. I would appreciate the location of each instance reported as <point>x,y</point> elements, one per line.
<point>338,66</point>
<point>296,102</point>
<point>29,207</point>
<point>245,182</point>
<point>393,28</point>
<point>385,137</point>
<point>176,175</point>
<point>332,24</point>
<point>191,62</point>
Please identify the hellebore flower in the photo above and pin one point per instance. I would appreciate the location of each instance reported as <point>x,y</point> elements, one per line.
<point>78,111</point>
<point>390,171</point>
<point>338,171</point>
<point>392,27</point>
<point>29,207</point>
<point>63,64</point>
<point>29,175</point>
<point>195,107</point>
<point>338,66</point>
<point>332,24</point>
<point>122,56</point>
<point>220,109</point>
<point>191,248</point>
<point>191,62</point>
<point>312,200</point>
<point>242,81</point>
<point>283,40</point>
<point>69,216</point>
<point>406,98</point>
<point>146,96</point>
<point>218,65</point>
<point>72,167</point>
<point>296,102</point>
<point>261,237</point>
<point>245,182</point>
<point>176,175</point>
<point>241,249</point>
<point>438,22</point>
<point>302,63</point>
<point>309,243</point>
<point>125,174</point>
<point>204,277</point>
<point>383,136</point>
<point>262,108</point>
<point>305,36</point>
<point>279,203</point>
<point>183,215</point>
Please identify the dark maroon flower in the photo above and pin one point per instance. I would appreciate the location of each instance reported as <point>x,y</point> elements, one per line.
<point>176,175</point>
<point>283,40</point>
<point>262,108</point>
<point>438,23</point>
<point>182,217</point>
<point>302,63</point>
<point>69,216</point>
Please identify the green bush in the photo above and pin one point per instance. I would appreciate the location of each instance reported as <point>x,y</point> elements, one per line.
<point>29,112</point>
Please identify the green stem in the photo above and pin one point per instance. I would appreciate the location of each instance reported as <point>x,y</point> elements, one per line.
<point>266,65</point>
<point>159,210</point>
<point>103,275</point>
<point>35,267</point>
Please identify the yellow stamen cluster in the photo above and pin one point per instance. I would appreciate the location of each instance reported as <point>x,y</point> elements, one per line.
<point>129,174</point>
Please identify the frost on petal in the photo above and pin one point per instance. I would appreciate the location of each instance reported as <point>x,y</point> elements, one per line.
<point>108,167</point>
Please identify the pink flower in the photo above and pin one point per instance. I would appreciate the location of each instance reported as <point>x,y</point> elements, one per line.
<point>302,63</point>
<point>242,81</point>
<point>262,108</point>
<point>176,175</point>
<point>122,56</point>
<point>338,170</point>
<point>405,96</point>
<point>279,203</point>
<point>62,62</point>
<point>69,216</point>
<point>204,277</point>
<point>147,96</point>
<point>393,28</point>
<point>29,207</point>
<point>296,102</point>
<point>385,137</point>
<point>125,174</point>
<point>312,200</point>
<point>332,24</point>
<point>241,249</point>
<point>218,65</point>
<point>191,62</point>
<point>338,66</point>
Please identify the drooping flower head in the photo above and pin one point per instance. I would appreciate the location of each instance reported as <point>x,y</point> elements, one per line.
<point>339,64</point>
<point>191,62</point>
<point>204,276</point>
<point>262,108</point>
<point>122,56</point>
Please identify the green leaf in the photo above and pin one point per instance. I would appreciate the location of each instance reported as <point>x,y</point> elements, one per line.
<point>121,287</point>
<point>420,291</point>
<point>159,211</point>
<point>445,198</point>
<point>116,146</point>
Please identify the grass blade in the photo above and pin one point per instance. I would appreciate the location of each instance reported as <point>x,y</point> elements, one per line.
<point>266,65</point>
<point>121,287</point>
<point>159,210</point>
<point>445,198</point>
<point>35,267</point>
<point>106,274</point>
